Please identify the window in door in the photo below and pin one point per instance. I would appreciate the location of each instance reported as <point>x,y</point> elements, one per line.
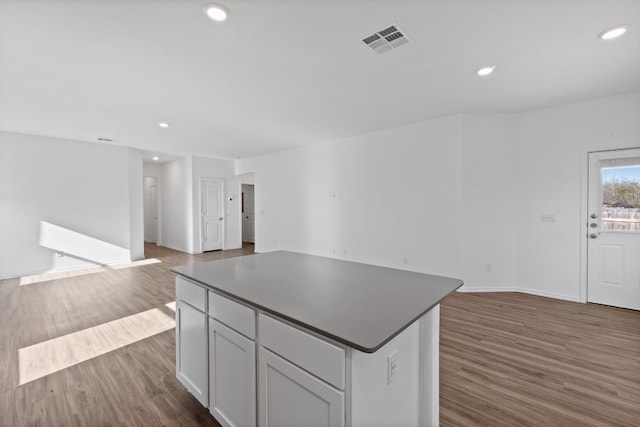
<point>621,194</point>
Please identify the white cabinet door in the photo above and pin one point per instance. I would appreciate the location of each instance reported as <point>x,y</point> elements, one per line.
<point>191,350</point>
<point>290,397</point>
<point>232,370</point>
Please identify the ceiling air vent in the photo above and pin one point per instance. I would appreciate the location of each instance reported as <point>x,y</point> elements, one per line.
<point>386,39</point>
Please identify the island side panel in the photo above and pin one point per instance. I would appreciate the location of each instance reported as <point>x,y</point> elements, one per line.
<point>377,399</point>
<point>430,367</point>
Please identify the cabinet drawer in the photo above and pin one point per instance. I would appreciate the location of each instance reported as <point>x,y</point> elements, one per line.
<point>233,314</point>
<point>317,356</point>
<point>289,396</point>
<point>191,293</point>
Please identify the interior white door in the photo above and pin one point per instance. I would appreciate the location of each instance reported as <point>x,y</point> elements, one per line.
<point>212,214</point>
<point>613,228</point>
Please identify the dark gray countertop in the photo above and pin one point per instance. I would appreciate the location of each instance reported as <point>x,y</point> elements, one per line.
<point>360,305</point>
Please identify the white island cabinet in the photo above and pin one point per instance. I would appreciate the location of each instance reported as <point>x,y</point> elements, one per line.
<point>284,339</point>
<point>191,338</point>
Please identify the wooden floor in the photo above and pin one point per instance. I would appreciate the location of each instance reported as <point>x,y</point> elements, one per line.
<point>133,385</point>
<point>510,359</point>
<point>506,359</point>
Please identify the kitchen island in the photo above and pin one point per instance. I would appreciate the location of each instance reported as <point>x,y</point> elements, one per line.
<point>283,338</point>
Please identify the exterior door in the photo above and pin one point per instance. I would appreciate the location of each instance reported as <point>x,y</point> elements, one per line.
<point>613,230</point>
<point>212,215</point>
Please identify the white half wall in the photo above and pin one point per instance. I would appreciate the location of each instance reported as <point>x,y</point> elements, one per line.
<point>75,186</point>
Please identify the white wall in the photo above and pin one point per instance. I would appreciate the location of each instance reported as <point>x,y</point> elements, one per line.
<point>80,188</point>
<point>551,145</point>
<point>488,222</point>
<point>454,196</point>
<point>151,169</point>
<point>136,205</point>
<point>176,205</point>
<point>378,198</point>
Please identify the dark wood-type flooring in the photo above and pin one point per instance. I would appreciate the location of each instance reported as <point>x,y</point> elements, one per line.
<point>510,359</point>
<point>507,359</point>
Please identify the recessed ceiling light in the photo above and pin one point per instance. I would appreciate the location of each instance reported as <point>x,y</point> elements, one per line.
<point>156,158</point>
<point>163,124</point>
<point>613,32</point>
<point>216,12</point>
<point>485,71</point>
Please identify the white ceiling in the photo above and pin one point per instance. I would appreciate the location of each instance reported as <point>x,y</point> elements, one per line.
<point>280,74</point>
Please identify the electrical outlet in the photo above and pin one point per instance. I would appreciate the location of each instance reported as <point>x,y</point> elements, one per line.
<point>392,367</point>
<point>547,218</point>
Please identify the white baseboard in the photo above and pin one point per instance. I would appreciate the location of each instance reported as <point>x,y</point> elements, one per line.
<point>522,290</point>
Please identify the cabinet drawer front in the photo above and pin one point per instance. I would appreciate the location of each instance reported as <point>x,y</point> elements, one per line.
<point>289,396</point>
<point>191,293</point>
<point>233,314</point>
<point>317,356</point>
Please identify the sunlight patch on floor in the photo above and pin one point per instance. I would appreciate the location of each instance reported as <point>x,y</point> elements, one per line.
<point>50,356</point>
<point>45,277</point>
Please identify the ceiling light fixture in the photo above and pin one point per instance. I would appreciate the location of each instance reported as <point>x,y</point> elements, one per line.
<point>216,12</point>
<point>613,32</point>
<point>163,125</point>
<point>485,71</point>
<point>156,158</point>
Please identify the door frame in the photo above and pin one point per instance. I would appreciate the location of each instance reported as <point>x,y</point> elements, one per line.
<point>584,206</point>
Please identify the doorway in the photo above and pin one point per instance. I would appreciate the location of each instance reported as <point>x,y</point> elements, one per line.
<point>150,209</point>
<point>613,228</point>
<point>248,214</point>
